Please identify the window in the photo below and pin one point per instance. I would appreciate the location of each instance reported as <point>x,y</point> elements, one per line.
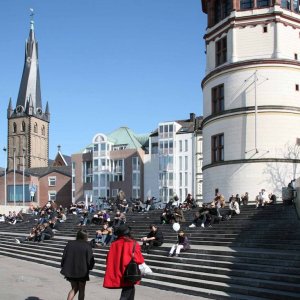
<point>135,179</point>
<point>296,56</point>
<point>221,51</point>
<point>23,126</point>
<point>222,9</point>
<point>180,146</point>
<point>186,145</point>
<point>265,29</point>
<point>217,148</point>
<point>51,195</point>
<point>186,165</point>
<point>180,162</point>
<point>35,128</point>
<point>217,99</point>
<point>296,6</point>
<point>14,127</point>
<point>263,3</point>
<point>297,87</point>
<point>180,179</point>
<point>135,164</point>
<point>96,147</point>
<point>186,178</point>
<point>246,4</point>
<point>43,130</point>
<point>286,4</point>
<point>52,181</point>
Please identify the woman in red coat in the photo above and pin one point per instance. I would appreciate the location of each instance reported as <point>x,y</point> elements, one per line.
<point>118,257</point>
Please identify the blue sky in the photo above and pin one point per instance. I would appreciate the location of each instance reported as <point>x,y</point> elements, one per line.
<point>105,64</point>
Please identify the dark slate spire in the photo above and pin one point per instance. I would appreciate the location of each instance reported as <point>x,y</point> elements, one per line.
<point>30,90</point>
<point>9,109</point>
<point>47,112</point>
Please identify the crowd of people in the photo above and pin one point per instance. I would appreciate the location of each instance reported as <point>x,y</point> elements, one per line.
<point>111,230</point>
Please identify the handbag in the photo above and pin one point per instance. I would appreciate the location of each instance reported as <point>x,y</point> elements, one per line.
<point>132,272</point>
<point>145,269</point>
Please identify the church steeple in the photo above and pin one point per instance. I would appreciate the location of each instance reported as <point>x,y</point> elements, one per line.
<point>30,90</point>
<point>28,124</point>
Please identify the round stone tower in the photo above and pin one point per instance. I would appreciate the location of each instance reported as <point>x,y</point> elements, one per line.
<point>251,96</point>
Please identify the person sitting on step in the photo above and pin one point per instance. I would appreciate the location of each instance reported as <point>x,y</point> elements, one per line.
<point>234,208</point>
<point>200,217</point>
<point>177,215</point>
<point>166,216</point>
<point>154,238</point>
<point>181,245</point>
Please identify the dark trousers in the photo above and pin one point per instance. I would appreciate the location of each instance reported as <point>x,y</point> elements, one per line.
<point>128,293</point>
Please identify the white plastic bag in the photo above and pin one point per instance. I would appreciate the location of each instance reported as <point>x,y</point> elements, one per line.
<point>145,269</point>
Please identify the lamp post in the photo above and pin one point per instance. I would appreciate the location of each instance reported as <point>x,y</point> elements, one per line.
<point>14,176</point>
<point>24,151</point>
<point>5,197</point>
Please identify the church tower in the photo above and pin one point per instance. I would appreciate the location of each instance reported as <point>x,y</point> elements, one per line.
<point>28,124</point>
<point>251,93</point>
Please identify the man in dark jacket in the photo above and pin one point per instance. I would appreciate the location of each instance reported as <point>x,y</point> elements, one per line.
<point>47,233</point>
<point>154,238</point>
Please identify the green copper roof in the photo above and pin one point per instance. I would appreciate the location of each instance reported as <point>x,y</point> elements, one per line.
<point>125,136</point>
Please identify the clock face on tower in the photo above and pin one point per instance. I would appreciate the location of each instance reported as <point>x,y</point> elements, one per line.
<point>20,109</point>
<point>39,111</point>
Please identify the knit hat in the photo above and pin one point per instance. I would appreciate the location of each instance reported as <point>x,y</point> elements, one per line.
<point>122,230</point>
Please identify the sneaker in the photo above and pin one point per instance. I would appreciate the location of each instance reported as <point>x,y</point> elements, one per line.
<point>202,225</point>
<point>17,241</point>
<point>192,226</point>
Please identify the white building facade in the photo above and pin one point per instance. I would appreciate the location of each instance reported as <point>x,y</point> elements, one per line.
<point>251,97</point>
<point>171,167</point>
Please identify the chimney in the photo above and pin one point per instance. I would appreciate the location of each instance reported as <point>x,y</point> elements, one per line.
<point>192,117</point>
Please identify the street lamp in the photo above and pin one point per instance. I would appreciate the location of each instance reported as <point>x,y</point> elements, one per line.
<point>5,197</point>
<point>14,176</point>
<point>24,151</point>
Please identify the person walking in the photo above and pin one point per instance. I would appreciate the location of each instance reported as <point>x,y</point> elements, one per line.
<point>118,257</point>
<point>76,262</point>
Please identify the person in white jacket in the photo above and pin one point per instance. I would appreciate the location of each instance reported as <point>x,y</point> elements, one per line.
<point>234,208</point>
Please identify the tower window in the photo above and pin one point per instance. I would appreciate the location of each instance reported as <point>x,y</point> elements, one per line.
<point>246,4</point>
<point>23,126</point>
<point>265,29</point>
<point>297,87</point>
<point>286,4</point>
<point>217,99</point>
<point>221,51</point>
<point>43,130</point>
<point>35,128</point>
<point>263,3</point>
<point>14,127</point>
<point>217,148</point>
<point>296,56</point>
<point>222,10</point>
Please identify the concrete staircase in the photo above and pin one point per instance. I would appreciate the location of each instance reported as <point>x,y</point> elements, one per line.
<point>255,255</point>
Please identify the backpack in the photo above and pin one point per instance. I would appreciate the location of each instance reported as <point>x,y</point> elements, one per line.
<point>132,272</point>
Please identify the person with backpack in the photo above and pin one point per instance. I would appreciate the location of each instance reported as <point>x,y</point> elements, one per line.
<point>119,256</point>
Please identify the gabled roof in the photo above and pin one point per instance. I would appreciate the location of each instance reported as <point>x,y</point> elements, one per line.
<point>41,172</point>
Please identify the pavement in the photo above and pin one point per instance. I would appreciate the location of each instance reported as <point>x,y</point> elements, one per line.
<point>23,280</point>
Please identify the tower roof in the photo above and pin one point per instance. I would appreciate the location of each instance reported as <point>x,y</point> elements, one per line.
<point>30,90</point>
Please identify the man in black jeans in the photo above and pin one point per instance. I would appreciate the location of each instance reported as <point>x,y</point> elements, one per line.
<point>154,238</point>
<point>47,233</point>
